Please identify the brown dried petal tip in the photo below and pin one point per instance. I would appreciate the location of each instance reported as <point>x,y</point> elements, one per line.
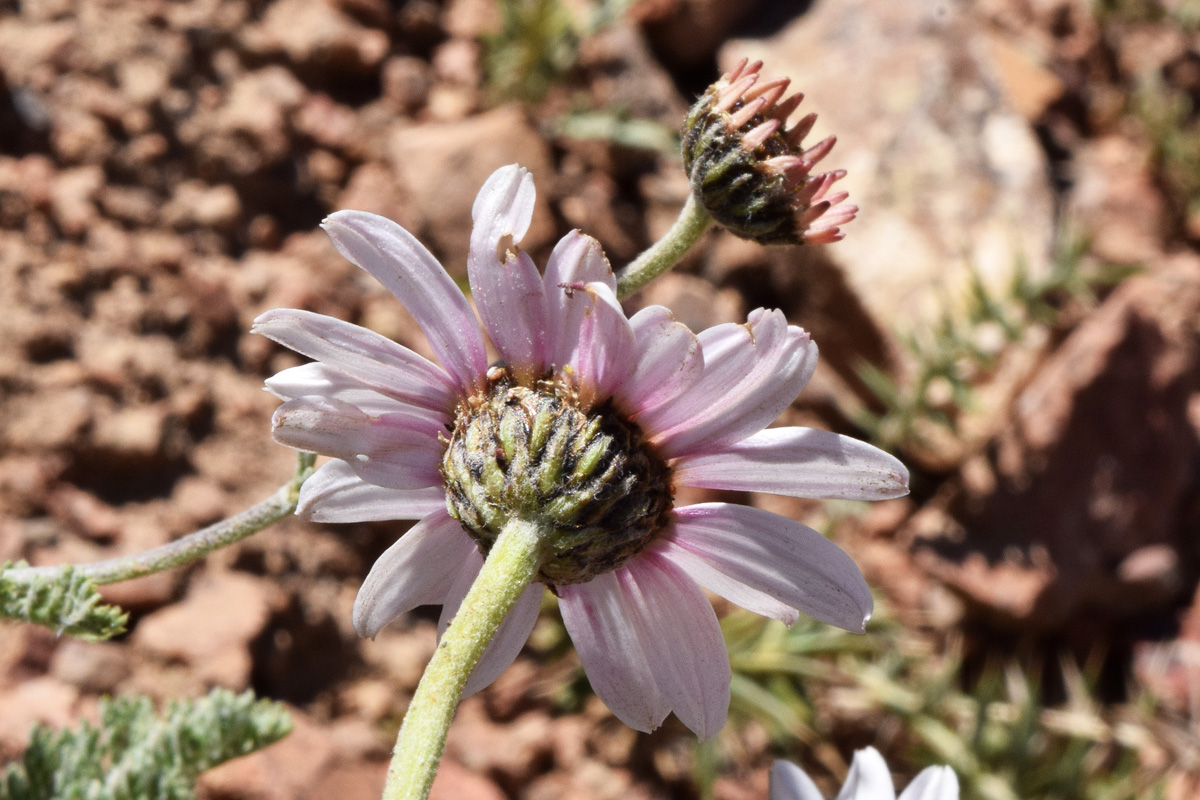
<point>752,172</point>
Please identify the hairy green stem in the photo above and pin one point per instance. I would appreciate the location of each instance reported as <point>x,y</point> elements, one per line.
<point>509,569</point>
<point>668,251</point>
<point>194,545</point>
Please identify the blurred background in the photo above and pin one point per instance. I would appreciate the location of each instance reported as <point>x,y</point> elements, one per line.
<point>1015,313</point>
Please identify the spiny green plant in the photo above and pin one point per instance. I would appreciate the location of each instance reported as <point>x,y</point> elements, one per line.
<point>538,44</point>
<point>996,731</point>
<point>65,602</point>
<point>134,754</point>
<point>965,344</point>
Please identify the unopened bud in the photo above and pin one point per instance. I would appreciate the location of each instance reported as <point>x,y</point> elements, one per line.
<point>752,172</point>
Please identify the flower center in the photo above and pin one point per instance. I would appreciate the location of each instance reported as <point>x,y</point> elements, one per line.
<point>588,478</point>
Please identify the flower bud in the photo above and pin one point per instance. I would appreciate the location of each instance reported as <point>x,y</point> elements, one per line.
<point>586,477</point>
<point>752,173</point>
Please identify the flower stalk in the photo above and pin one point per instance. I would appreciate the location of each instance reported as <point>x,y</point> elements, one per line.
<point>694,220</point>
<point>191,547</point>
<point>509,569</point>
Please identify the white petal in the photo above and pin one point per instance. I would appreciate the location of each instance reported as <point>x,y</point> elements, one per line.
<point>704,572</point>
<point>334,493</point>
<point>319,380</point>
<point>399,450</point>
<point>597,615</point>
<point>868,779</point>
<point>789,782</point>
<point>751,374</point>
<point>415,571</point>
<point>374,360</point>
<point>669,361</point>
<point>505,204</point>
<point>775,556</point>
<point>606,354</point>
<point>402,264</point>
<point>682,640</point>
<point>506,285</point>
<point>577,260</point>
<point>933,783</point>
<point>799,462</point>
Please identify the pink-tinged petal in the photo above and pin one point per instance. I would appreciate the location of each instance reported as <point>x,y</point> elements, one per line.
<point>789,782</point>
<point>507,287</point>
<point>402,264</point>
<point>414,571</point>
<point>334,493</point>
<point>752,373</point>
<point>868,778</point>
<point>374,360</point>
<point>504,205</point>
<point>682,640</point>
<point>776,556</point>
<point>606,355</point>
<point>510,636</point>
<point>704,572</point>
<point>669,361</point>
<point>319,380</point>
<point>577,260</point>
<point>932,783</point>
<point>799,462</point>
<point>597,615</point>
<point>400,450</point>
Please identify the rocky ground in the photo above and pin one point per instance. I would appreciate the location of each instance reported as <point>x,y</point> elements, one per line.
<point>1023,282</point>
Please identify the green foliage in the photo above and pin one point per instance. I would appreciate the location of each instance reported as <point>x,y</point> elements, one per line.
<point>65,602</point>
<point>995,731</point>
<point>965,345</point>
<point>619,128</point>
<point>1173,124</point>
<point>135,755</point>
<point>538,44</point>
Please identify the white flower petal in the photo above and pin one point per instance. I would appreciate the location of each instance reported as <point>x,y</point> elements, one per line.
<point>597,615</point>
<point>775,556</point>
<point>789,782</point>
<point>577,260</point>
<point>375,361</point>
<point>319,380</point>
<point>403,265</point>
<point>504,205</point>
<point>335,493</point>
<point>682,641</point>
<point>606,355</point>
<point>868,779</point>
<point>799,462</point>
<point>415,571</point>
<point>506,285</point>
<point>932,783</point>
<point>751,374</point>
<point>399,450</point>
<point>669,361</point>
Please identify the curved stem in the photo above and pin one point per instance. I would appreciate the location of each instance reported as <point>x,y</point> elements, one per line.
<point>194,545</point>
<point>508,570</point>
<point>668,251</point>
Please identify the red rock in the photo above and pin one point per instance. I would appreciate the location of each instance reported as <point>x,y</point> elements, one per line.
<point>211,628</point>
<point>287,770</point>
<point>442,167</point>
<point>456,782</point>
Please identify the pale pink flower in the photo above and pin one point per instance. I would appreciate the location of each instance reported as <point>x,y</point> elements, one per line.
<point>645,632</point>
<point>868,779</point>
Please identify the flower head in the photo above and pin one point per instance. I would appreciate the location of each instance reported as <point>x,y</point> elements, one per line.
<point>587,424</point>
<point>754,175</point>
<point>868,779</point>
